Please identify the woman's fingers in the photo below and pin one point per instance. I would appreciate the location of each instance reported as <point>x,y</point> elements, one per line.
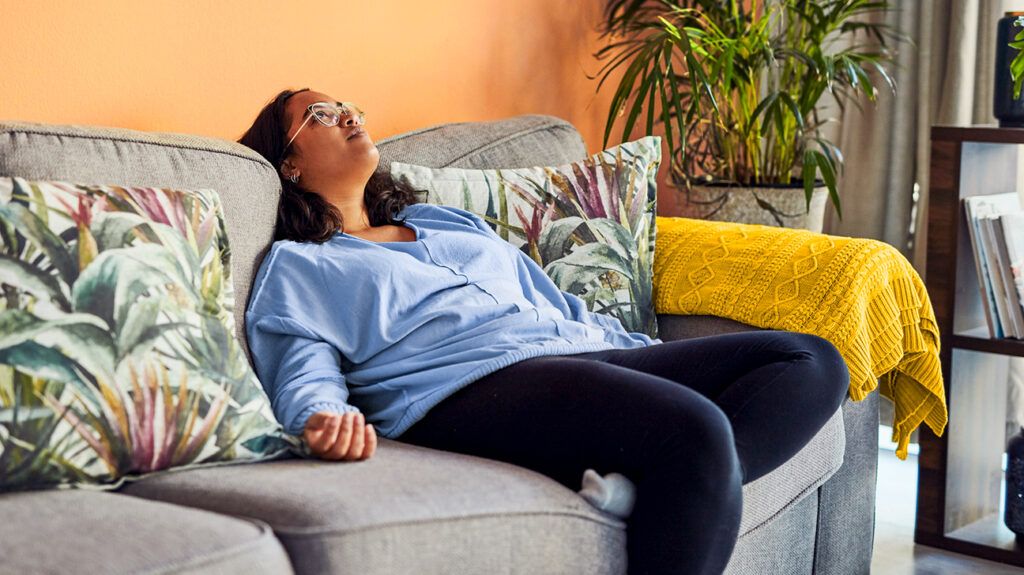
<point>344,439</point>
<point>340,436</point>
<point>315,426</point>
<point>330,435</point>
<point>355,451</point>
<point>371,440</point>
<point>317,430</point>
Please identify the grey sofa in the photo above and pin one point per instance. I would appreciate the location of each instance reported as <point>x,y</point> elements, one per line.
<point>407,509</point>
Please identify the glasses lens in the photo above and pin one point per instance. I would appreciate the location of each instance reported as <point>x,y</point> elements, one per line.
<point>331,114</point>
<point>350,109</point>
<point>326,114</point>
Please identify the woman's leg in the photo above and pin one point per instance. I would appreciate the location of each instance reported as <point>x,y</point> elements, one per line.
<point>778,388</point>
<point>559,415</point>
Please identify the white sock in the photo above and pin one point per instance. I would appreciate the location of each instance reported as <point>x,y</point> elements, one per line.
<point>614,493</point>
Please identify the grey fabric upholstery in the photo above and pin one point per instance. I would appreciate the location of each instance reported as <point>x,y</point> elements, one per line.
<point>814,464</point>
<point>518,142</point>
<point>671,327</point>
<point>846,514</point>
<point>247,185</point>
<point>415,500</point>
<point>780,546</point>
<point>81,531</point>
<point>408,509</point>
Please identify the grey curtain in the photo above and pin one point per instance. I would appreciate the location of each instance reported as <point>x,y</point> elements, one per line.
<point>945,77</point>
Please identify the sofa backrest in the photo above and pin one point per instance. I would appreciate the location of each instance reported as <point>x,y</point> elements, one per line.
<point>246,183</point>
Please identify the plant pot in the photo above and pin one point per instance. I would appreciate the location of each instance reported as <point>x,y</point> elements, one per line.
<point>1010,112</point>
<point>767,205</point>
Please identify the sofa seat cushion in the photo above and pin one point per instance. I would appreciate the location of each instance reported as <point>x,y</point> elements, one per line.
<point>413,509</point>
<point>83,531</point>
<point>407,509</point>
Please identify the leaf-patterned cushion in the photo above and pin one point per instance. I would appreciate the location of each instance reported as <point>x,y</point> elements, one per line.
<point>118,356</point>
<point>590,224</point>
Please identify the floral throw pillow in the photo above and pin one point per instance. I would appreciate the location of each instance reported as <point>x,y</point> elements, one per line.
<point>589,224</point>
<point>117,349</point>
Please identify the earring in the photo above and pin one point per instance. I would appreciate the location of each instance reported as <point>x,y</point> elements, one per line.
<point>294,178</point>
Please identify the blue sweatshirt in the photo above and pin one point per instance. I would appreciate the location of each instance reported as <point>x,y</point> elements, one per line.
<point>392,328</point>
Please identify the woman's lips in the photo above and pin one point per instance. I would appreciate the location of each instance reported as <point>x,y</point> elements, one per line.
<point>356,133</point>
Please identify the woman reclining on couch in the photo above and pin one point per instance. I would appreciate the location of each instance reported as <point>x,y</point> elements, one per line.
<point>440,333</point>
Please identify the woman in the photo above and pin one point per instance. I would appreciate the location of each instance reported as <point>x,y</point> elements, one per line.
<point>447,336</point>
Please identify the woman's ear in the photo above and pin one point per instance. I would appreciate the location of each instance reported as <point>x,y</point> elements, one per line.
<point>288,169</point>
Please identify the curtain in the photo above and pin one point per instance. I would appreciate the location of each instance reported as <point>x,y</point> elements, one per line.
<point>945,77</point>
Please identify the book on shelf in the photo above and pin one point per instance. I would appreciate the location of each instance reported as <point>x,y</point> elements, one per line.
<point>1013,231</point>
<point>995,224</point>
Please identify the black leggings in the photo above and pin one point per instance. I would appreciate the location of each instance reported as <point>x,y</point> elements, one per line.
<point>688,421</point>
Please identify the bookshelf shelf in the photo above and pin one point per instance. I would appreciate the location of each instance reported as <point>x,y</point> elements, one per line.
<point>1013,347</point>
<point>960,475</point>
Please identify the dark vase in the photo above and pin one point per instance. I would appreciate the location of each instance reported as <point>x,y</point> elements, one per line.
<point>1010,112</point>
<point>1014,513</point>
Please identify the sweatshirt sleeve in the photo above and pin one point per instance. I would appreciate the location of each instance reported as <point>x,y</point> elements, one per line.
<point>299,369</point>
<point>572,306</point>
<point>300,372</point>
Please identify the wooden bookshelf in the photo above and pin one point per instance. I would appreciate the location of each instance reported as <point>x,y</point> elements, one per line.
<point>960,476</point>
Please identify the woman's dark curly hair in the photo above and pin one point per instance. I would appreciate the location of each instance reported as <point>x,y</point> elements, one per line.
<point>304,215</point>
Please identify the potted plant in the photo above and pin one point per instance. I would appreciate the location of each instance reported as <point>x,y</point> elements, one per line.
<point>1008,107</point>
<point>737,87</point>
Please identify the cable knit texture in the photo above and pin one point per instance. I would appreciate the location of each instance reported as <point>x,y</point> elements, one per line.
<point>860,294</point>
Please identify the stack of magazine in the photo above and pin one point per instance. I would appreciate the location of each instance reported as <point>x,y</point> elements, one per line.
<point>996,227</point>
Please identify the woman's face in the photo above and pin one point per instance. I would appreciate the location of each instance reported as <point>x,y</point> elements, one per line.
<point>341,155</point>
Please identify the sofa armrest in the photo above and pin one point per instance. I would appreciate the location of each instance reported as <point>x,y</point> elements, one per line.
<point>672,327</point>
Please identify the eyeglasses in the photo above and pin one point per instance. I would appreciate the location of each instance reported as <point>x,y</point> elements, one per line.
<point>329,114</point>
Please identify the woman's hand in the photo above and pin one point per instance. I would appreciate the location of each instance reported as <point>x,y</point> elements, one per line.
<point>340,436</point>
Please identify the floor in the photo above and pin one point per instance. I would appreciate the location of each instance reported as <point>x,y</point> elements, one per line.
<point>895,552</point>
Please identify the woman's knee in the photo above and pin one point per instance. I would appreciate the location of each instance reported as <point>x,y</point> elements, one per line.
<point>827,365</point>
<point>700,440</point>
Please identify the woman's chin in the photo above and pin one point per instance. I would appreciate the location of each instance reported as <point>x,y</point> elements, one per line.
<point>359,146</point>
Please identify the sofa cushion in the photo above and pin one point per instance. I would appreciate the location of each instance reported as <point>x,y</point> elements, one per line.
<point>408,509</point>
<point>589,224</point>
<point>248,186</point>
<point>119,352</point>
<point>672,327</point>
<point>411,509</point>
<point>82,531</point>
<point>516,142</point>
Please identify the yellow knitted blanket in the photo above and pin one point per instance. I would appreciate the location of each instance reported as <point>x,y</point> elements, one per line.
<point>862,295</point>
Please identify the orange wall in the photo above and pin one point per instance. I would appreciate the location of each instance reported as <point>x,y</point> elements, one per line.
<point>207,67</point>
